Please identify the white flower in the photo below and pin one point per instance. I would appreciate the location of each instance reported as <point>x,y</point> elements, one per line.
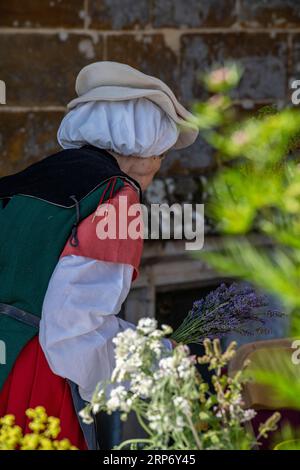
<point>125,338</point>
<point>166,329</point>
<point>186,368</point>
<point>183,405</point>
<point>129,403</point>
<point>85,415</point>
<point>156,346</point>
<point>96,407</point>
<point>156,334</point>
<point>248,415</point>
<point>129,354</point>
<point>167,363</point>
<point>161,423</point>
<point>146,325</point>
<point>180,424</point>
<point>177,365</point>
<point>167,366</point>
<point>116,399</point>
<point>141,385</point>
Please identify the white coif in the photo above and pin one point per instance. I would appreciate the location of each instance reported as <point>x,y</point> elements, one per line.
<point>135,127</point>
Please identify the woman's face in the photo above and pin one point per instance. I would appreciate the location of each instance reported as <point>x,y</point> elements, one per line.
<point>141,169</point>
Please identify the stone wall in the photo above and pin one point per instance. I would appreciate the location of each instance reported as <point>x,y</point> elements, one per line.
<point>44,43</point>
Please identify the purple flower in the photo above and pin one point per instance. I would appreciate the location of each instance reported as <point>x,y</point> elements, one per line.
<point>224,310</point>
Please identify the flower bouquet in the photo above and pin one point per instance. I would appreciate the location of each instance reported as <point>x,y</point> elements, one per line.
<point>176,408</point>
<point>225,310</point>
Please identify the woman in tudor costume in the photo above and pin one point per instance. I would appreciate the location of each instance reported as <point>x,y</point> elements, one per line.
<point>61,285</point>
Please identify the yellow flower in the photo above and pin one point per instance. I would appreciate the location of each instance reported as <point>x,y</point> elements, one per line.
<point>44,432</point>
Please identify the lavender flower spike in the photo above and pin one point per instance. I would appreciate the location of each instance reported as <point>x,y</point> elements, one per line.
<point>224,310</point>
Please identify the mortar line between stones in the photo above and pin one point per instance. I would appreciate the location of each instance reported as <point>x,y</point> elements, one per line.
<point>238,8</point>
<point>86,20</point>
<point>26,109</point>
<point>290,46</point>
<point>189,31</point>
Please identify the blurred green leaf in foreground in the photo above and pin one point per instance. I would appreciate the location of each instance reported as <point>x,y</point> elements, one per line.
<point>256,190</point>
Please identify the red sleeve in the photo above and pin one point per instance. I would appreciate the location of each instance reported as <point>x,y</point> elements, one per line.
<point>114,232</point>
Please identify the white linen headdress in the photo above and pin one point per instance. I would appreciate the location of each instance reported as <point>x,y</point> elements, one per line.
<point>136,127</point>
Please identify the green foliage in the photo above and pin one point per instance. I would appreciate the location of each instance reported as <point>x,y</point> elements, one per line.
<point>224,79</point>
<point>270,268</point>
<point>274,368</point>
<point>257,191</point>
<point>288,439</point>
<point>291,444</point>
